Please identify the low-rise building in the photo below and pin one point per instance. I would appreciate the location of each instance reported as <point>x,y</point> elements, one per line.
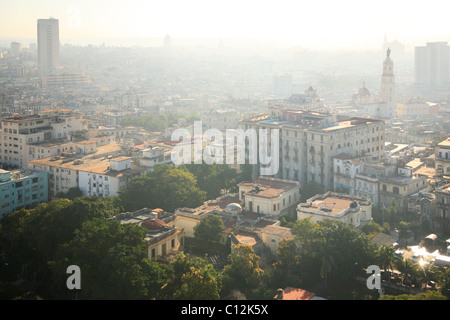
<point>163,241</point>
<point>441,218</point>
<point>349,209</point>
<point>270,196</point>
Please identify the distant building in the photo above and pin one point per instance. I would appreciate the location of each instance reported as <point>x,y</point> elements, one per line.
<point>442,159</point>
<point>432,64</point>
<point>21,191</point>
<point>282,85</point>
<point>220,119</point>
<point>352,210</point>
<point>385,106</point>
<point>16,48</point>
<point>48,45</point>
<point>442,214</point>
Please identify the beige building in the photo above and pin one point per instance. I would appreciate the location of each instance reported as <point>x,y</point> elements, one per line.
<point>270,196</point>
<point>163,241</point>
<point>272,235</point>
<point>442,159</point>
<point>220,119</point>
<point>442,214</point>
<point>349,209</point>
<point>400,187</point>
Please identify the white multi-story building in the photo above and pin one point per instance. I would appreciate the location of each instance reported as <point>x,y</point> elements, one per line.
<point>106,178</point>
<point>19,131</point>
<point>309,140</point>
<point>64,170</point>
<point>48,45</point>
<point>432,64</point>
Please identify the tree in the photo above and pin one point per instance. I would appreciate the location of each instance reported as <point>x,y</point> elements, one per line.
<point>71,194</point>
<point>166,187</point>
<point>325,254</point>
<point>209,228</point>
<point>310,190</point>
<point>199,284</point>
<point>429,295</point>
<point>407,268</point>
<point>385,256</point>
<point>331,250</point>
<point>112,258</point>
<point>243,272</point>
<point>187,275</point>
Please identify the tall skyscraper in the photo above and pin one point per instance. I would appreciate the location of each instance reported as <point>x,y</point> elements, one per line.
<point>432,64</point>
<point>48,45</point>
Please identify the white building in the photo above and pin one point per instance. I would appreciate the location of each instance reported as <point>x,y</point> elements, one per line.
<point>106,178</point>
<point>48,126</point>
<point>349,209</point>
<point>48,45</point>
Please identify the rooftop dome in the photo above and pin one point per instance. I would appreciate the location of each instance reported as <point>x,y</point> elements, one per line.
<point>153,224</point>
<point>233,207</point>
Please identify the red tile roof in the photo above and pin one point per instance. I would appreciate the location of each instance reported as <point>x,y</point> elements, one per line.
<point>290,293</point>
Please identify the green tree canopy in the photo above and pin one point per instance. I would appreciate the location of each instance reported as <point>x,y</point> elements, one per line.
<point>209,228</point>
<point>166,187</point>
<point>243,273</point>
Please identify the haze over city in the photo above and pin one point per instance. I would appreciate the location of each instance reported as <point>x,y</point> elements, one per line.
<point>224,150</point>
<point>349,24</point>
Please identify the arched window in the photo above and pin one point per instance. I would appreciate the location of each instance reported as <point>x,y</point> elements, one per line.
<point>384,187</point>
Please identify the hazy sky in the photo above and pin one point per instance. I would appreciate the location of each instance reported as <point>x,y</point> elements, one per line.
<point>314,23</point>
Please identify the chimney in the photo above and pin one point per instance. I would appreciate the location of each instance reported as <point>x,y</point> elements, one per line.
<point>280,294</point>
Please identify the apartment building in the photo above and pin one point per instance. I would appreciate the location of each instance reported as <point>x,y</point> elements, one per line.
<point>18,190</point>
<point>48,125</point>
<point>64,170</point>
<point>309,141</point>
<point>105,178</point>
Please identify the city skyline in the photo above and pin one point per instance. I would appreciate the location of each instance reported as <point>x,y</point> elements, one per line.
<point>321,24</point>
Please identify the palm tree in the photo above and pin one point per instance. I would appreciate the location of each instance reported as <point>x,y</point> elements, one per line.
<point>426,274</point>
<point>407,268</point>
<point>385,256</point>
<point>326,259</point>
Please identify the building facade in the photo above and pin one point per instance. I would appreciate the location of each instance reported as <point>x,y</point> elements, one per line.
<point>349,209</point>
<point>48,45</point>
<point>21,191</point>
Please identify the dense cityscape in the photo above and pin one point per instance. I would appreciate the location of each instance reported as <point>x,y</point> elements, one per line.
<point>356,173</point>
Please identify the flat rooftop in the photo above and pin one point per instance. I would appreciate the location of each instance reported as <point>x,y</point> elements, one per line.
<point>269,187</point>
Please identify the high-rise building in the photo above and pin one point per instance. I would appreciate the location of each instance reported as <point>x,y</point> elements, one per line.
<point>16,48</point>
<point>48,45</point>
<point>432,64</point>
